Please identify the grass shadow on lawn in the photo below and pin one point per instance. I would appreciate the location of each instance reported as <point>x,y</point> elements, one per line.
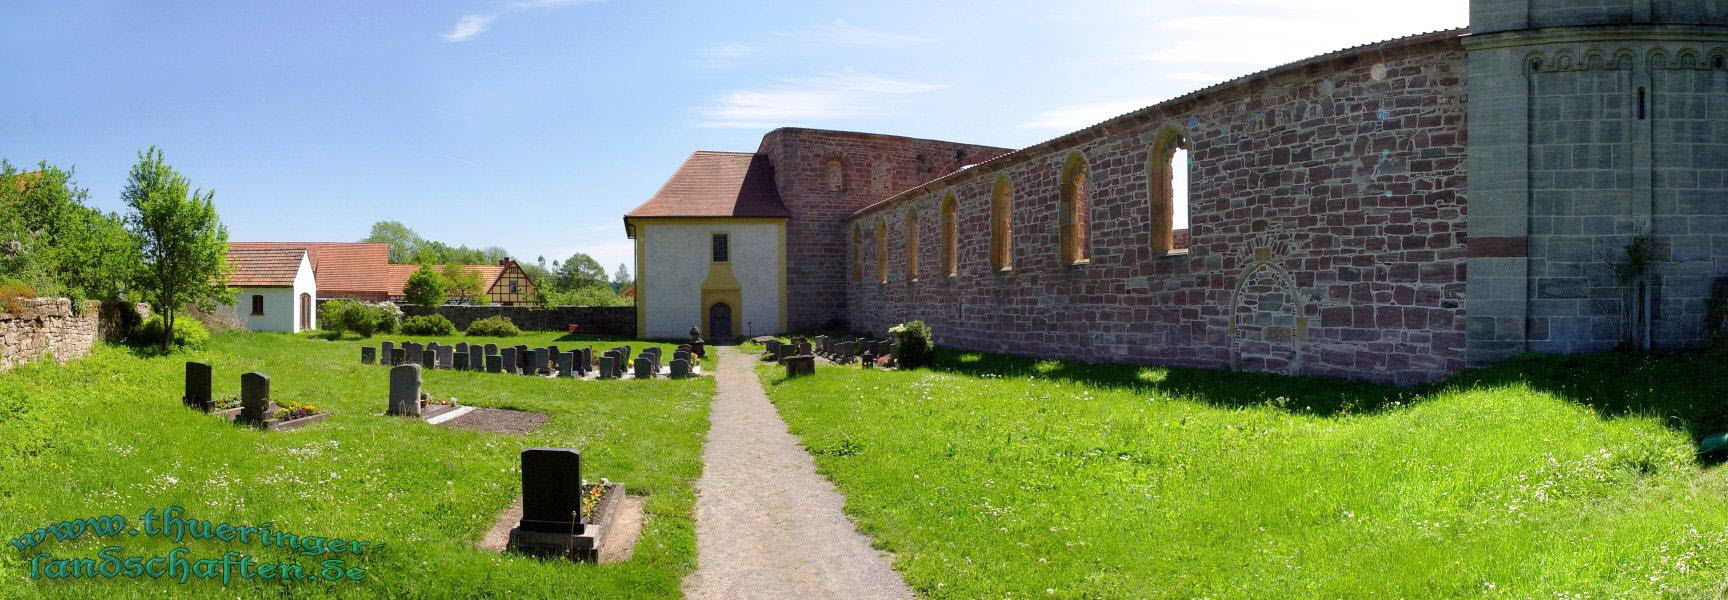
<point>1685,390</point>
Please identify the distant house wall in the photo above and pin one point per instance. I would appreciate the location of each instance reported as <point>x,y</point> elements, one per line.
<point>680,283</point>
<point>282,305</point>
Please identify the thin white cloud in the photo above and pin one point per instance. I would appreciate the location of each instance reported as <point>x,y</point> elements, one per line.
<point>476,23</point>
<point>1076,116</point>
<point>838,33</point>
<point>843,33</point>
<point>842,95</point>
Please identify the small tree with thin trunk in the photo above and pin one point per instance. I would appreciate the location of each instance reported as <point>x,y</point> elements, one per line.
<point>184,243</point>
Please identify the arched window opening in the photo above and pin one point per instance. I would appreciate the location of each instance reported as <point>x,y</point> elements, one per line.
<point>881,250</point>
<point>912,244</point>
<point>1167,170</point>
<point>836,173</point>
<point>1076,212</point>
<point>857,253</point>
<point>950,237</point>
<point>1002,225</point>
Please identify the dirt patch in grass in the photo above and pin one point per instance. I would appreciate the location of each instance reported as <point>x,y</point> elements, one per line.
<point>494,420</point>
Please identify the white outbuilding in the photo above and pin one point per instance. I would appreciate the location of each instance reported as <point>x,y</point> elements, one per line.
<point>275,289</point>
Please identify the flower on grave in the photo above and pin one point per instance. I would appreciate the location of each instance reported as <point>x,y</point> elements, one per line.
<point>296,411</point>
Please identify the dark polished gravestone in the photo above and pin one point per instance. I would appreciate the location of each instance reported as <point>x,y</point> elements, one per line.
<point>608,368</point>
<point>491,348</point>
<point>405,391</point>
<point>384,351</point>
<point>541,359</point>
<point>644,368</point>
<point>680,368</point>
<point>461,361</point>
<point>567,364</point>
<point>429,359</point>
<point>461,347</point>
<point>368,355</point>
<point>523,356</point>
<point>509,355</point>
<point>494,363</point>
<point>446,357</point>
<point>551,524</point>
<point>477,357</point>
<point>254,399</point>
<point>398,356</point>
<point>415,351</point>
<point>198,387</point>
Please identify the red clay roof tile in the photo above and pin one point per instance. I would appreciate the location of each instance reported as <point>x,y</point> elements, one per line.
<point>717,184</point>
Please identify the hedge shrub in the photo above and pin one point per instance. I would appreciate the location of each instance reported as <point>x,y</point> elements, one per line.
<point>494,327</point>
<point>188,332</point>
<point>428,325</point>
<point>914,347</point>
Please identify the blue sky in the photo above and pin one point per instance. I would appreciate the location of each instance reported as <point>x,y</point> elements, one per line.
<point>535,124</point>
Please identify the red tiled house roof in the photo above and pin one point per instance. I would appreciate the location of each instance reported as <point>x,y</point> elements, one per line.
<point>343,270</point>
<point>264,267</point>
<point>717,184</point>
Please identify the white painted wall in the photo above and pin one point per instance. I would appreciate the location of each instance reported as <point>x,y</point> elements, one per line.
<point>281,304</point>
<point>675,262</point>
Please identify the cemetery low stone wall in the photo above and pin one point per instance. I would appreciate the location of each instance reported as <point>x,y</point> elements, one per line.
<point>614,320</point>
<point>42,327</point>
<point>1326,225</point>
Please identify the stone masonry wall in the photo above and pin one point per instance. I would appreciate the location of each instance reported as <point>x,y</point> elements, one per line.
<point>615,320</point>
<point>870,168</point>
<point>1327,212</point>
<point>47,327</point>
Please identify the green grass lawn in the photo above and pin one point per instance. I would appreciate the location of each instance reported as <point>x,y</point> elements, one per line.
<point>106,434</point>
<point>998,477</point>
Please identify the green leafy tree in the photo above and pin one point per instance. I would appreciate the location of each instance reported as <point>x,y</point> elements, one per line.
<point>51,240</point>
<point>404,243</point>
<point>184,244</point>
<point>464,285</point>
<point>424,287</point>
<point>578,272</point>
<point>621,279</point>
<point>594,295</point>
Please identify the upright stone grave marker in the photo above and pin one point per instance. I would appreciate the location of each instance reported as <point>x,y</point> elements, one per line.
<point>491,348</point>
<point>509,360</point>
<point>254,399</point>
<point>398,356</point>
<point>680,367</point>
<point>567,364</point>
<point>384,351</point>
<point>461,361</point>
<point>446,357</point>
<point>415,351</point>
<point>551,524</point>
<point>429,359</point>
<point>608,365</point>
<point>799,366</point>
<point>198,387</point>
<point>368,355</point>
<point>644,368</point>
<point>541,358</point>
<point>477,357</point>
<point>405,391</point>
<point>494,363</point>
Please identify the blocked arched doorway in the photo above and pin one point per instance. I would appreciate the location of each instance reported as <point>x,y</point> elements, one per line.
<point>305,311</point>
<point>720,320</point>
<point>1267,322</point>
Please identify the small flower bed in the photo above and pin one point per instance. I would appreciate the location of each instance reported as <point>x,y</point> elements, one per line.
<point>591,494</point>
<point>296,411</point>
<point>227,403</point>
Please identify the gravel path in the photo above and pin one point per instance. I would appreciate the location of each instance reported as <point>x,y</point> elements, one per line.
<point>768,526</point>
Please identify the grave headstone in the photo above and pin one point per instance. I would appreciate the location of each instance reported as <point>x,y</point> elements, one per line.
<point>461,347</point>
<point>542,356</point>
<point>567,364</point>
<point>680,367</point>
<point>405,391</point>
<point>368,355</point>
<point>644,368</point>
<point>551,503</point>
<point>476,357</point>
<point>254,398</point>
<point>384,350</point>
<point>460,361</point>
<point>446,357</point>
<point>429,359</point>
<point>509,360</point>
<point>415,352</point>
<point>491,348</point>
<point>799,366</point>
<point>198,386</point>
<point>608,365</point>
<point>494,363</point>
<point>682,355</point>
<point>398,356</point>
<point>699,348</point>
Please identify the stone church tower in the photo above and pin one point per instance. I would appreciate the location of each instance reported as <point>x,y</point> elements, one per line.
<point>1595,127</point>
